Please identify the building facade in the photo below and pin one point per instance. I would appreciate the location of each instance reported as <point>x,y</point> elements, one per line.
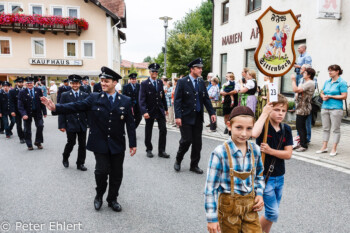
<point>236,36</point>
<point>140,68</point>
<point>56,51</point>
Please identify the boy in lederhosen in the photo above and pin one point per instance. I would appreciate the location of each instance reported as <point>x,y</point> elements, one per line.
<point>235,171</point>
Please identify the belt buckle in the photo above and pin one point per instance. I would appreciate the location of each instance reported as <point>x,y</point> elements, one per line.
<point>271,168</point>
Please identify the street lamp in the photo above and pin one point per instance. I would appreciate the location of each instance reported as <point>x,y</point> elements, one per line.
<point>165,19</point>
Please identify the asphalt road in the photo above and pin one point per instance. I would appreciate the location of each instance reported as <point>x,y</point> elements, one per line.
<point>36,189</point>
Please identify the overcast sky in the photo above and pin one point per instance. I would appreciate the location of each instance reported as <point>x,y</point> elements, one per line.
<point>145,32</point>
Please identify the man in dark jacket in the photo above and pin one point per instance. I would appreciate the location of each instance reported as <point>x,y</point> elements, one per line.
<point>133,90</point>
<point>97,87</point>
<point>75,124</point>
<point>153,107</point>
<point>111,112</point>
<point>63,89</point>
<point>5,109</point>
<point>30,107</point>
<point>14,108</point>
<point>191,96</point>
<point>85,87</point>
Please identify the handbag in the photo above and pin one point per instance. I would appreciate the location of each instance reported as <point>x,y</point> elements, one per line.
<point>317,99</point>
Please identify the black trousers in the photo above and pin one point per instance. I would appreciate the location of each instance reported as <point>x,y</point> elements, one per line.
<point>71,140</point>
<point>19,126</point>
<point>112,165</point>
<point>39,123</point>
<point>8,121</point>
<point>162,134</point>
<point>191,135</point>
<point>138,118</point>
<point>2,128</point>
<point>301,128</point>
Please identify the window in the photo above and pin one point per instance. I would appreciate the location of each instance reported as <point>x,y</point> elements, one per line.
<point>88,49</point>
<point>5,46</point>
<point>36,9</point>
<point>38,47</point>
<point>286,81</point>
<point>225,12</point>
<point>73,12</point>
<point>71,48</point>
<point>254,5</point>
<point>223,66</point>
<point>2,8</point>
<point>250,62</point>
<point>15,8</point>
<point>57,10</point>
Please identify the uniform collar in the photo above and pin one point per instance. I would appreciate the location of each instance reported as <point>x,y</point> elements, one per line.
<point>76,91</point>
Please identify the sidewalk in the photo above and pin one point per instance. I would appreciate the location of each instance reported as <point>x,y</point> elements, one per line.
<point>342,160</point>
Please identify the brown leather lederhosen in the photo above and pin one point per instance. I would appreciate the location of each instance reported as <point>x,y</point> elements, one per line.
<point>235,211</point>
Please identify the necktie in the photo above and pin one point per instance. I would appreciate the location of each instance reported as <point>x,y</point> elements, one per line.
<point>76,95</point>
<point>111,100</point>
<point>33,102</point>
<point>198,105</point>
<point>133,87</point>
<point>155,84</point>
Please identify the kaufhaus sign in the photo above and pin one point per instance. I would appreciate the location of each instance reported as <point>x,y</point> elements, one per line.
<point>55,62</point>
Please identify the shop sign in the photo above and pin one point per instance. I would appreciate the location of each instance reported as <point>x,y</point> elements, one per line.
<point>55,62</point>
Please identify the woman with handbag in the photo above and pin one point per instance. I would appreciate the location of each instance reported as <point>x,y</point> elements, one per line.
<point>334,91</point>
<point>213,93</point>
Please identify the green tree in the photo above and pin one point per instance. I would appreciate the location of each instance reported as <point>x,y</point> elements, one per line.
<point>147,59</point>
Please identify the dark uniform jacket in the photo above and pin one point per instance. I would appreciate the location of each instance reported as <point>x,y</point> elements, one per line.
<point>107,129</point>
<point>85,88</point>
<point>75,122</point>
<point>4,103</point>
<point>14,100</point>
<point>62,90</point>
<point>98,87</point>
<point>25,103</point>
<point>185,100</point>
<point>152,101</point>
<point>134,95</point>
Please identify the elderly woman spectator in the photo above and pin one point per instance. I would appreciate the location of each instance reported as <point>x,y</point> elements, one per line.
<point>334,91</point>
<point>213,93</point>
<point>249,89</point>
<point>303,104</point>
<point>53,92</point>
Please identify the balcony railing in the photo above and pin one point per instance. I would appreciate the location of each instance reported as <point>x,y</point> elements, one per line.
<point>30,28</point>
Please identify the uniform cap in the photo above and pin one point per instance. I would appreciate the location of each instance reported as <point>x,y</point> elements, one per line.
<point>196,63</point>
<point>74,78</point>
<point>109,74</point>
<point>133,75</point>
<point>154,67</point>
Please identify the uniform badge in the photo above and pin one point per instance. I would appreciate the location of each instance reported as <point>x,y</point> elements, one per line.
<point>122,117</point>
<point>71,93</point>
<point>102,95</point>
<point>188,80</point>
<point>122,108</point>
<point>118,97</point>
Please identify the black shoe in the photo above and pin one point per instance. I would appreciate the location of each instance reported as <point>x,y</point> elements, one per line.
<point>65,163</point>
<point>22,141</point>
<point>38,144</point>
<point>81,167</point>
<point>226,131</point>
<point>163,155</point>
<point>177,166</point>
<point>115,206</point>
<point>98,202</point>
<point>196,170</point>
<point>30,148</point>
<point>149,154</point>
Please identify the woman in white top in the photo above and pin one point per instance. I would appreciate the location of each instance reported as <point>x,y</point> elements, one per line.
<point>249,88</point>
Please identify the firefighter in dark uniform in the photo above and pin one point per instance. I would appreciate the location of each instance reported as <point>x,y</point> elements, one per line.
<point>5,113</point>
<point>30,108</point>
<point>75,124</point>
<point>97,87</point>
<point>111,112</point>
<point>63,89</point>
<point>85,87</point>
<point>2,129</point>
<point>132,90</point>
<point>154,107</point>
<point>14,108</point>
<point>190,98</point>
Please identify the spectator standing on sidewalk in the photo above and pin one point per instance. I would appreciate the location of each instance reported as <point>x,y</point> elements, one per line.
<point>304,58</point>
<point>172,97</point>
<point>214,93</point>
<point>53,92</point>
<point>249,89</point>
<point>170,118</point>
<point>334,91</point>
<point>228,91</point>
<point>303,104</point>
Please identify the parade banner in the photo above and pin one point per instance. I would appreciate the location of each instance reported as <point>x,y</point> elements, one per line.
<point>275,54</point>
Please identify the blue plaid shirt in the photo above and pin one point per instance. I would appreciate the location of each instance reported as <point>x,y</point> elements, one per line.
<point>218,175</point>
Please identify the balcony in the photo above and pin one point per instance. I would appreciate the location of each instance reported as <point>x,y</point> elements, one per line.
<point>41,24</point>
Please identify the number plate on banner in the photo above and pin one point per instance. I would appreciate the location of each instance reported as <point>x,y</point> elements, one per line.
<point>273,92</point>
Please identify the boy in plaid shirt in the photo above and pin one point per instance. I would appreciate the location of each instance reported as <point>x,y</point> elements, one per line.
<point>235,171</point>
